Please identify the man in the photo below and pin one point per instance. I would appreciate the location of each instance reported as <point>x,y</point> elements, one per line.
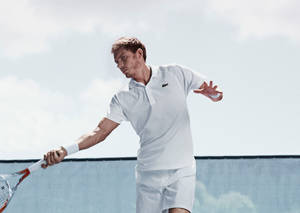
<point>155,105</point>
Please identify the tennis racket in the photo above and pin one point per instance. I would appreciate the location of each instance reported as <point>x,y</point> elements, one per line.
<point>10,182</point>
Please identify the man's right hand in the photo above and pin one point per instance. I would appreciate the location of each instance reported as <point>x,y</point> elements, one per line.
<point>54,157</point>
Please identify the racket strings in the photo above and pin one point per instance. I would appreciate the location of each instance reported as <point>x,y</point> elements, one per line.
<point>4,192</point>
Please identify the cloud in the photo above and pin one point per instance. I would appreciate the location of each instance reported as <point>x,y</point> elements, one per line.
<point>29,26</point>
<point>99,91</point>
<point>232,202</point>
<point>259,18</point>
<point>34,119</point>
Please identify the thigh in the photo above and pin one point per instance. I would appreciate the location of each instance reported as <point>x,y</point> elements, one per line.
<point>181,193</point>
<point>149,194</point>
<point>148,199</point>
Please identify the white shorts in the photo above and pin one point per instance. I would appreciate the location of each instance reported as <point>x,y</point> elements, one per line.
<point>159,190</point>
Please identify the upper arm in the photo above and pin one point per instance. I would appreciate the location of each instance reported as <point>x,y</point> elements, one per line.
<point>189,78</point>
<point>115,111</point>
<point>106,126</point>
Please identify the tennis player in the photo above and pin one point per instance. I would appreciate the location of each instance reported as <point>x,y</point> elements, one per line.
<point>155,105</point>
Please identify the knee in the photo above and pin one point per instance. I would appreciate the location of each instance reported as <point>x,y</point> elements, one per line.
<point>178,210</point>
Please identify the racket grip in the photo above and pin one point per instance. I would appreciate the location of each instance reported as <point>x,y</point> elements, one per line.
<point>36,165</point>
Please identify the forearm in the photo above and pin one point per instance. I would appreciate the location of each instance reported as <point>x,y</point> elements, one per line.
<point>88,140</point>
<point>104,128</point>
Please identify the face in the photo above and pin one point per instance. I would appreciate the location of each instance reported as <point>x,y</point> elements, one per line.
<point>128,62</point>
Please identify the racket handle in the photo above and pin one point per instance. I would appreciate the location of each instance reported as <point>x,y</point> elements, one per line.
<point>36,165</point>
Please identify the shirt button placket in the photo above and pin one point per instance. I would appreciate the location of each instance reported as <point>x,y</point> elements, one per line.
<point>149,95</point>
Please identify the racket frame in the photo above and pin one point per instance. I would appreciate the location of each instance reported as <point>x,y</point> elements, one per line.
<point>25,173</point>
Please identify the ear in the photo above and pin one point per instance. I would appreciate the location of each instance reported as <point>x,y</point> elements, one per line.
<point>139,52</point>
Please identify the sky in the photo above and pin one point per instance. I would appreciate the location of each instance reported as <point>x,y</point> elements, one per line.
<point>57,74</point>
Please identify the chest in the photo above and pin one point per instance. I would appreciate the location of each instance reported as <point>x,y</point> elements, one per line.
<point>161,100</point>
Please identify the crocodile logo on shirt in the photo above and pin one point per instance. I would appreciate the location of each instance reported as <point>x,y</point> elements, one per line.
<point>164,85</point>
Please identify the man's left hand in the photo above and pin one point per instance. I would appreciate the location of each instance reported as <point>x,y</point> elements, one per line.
<point>210,91</point>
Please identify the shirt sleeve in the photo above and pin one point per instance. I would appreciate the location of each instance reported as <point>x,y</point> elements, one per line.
<point>191,80</point>
<point>115,111</point>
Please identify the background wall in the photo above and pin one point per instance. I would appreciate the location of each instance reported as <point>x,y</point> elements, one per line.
<point>224,185</point>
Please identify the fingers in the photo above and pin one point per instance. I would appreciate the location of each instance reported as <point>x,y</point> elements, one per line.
<point>58,157</point>
<point>199,90</point>
<point>220,97</point>
<point>211,85</point>
<point>205,86</point>
<point>47,159</point>
<point>53,157</point>
<point>210,91</point>
<point>207,90</point>
<point>45,165</point>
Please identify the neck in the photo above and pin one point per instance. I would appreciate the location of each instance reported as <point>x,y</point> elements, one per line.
<point>143,75</point>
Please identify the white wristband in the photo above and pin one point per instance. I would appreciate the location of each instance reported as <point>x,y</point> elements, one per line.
<point>71,149</point>
<point>215,96</point>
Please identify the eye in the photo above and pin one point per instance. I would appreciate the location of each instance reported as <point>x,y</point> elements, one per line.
<point>123,58</point>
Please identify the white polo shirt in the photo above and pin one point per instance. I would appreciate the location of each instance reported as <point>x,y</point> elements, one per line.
<point>159,115</point>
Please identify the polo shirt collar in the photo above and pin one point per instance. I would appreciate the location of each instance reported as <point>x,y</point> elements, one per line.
<point>154,75</point>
